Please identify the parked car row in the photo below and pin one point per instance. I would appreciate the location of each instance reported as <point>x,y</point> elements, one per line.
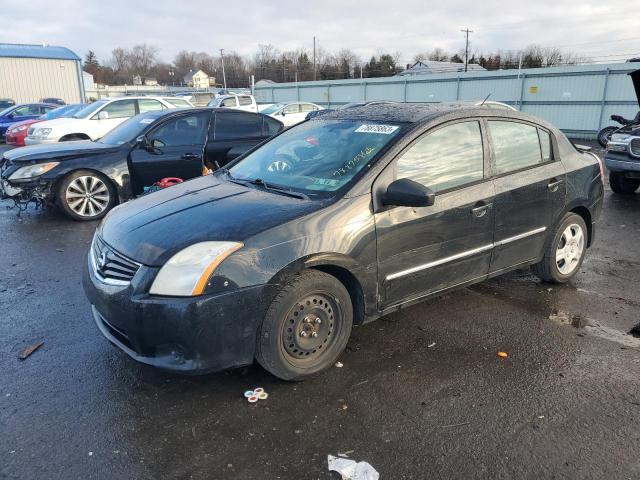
<point>19,113</point>
<point>17,132</point>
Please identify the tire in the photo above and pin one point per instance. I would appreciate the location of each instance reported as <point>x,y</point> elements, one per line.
<point>94,192</point>
<point>604,135</point>
<point>282,347</point>
<point>620,184</point>
<point>571,237</point>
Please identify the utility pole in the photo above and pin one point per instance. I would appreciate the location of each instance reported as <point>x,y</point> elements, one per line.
<point>314,57</point>
<point>224,77</point>
<point>466,48</point>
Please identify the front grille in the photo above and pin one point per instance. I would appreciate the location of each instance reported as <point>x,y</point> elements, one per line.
<point>110,266</point>
<point>634,147</point>
<point>31,130</point>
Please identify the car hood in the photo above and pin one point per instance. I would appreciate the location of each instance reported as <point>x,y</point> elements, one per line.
<point>25,123</point>
<point>53,151</point>
<point>151,229</point>
<point>60,123</point>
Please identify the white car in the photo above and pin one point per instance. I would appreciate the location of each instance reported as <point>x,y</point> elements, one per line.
<point>291,113</point>
<point>235,101</point>
<point>96,119</point>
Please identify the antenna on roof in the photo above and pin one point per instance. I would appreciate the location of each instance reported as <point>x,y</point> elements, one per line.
<point>485,99</point>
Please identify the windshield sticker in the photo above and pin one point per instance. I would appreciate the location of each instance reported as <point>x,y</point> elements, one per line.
<point>359,157</point>
<point>326,182</point>
<point>375,128</point>
<point>146,120</point>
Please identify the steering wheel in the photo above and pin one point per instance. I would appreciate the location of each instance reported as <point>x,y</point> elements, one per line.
<point>281,164</point>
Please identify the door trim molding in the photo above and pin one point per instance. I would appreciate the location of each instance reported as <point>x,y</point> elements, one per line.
<point>515,238</point>
<point>467,253</point>
<point>435,263</point>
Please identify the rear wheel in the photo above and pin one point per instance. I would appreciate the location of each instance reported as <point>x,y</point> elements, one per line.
<point>620,184</point>
<point>85,195</point>
<point>564,252</point>
<point>306,327</point>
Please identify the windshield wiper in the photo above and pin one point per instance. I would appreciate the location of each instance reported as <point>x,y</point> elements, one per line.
<point>276,188</point>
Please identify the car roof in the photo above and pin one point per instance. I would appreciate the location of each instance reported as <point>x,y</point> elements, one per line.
<point>400,112</point>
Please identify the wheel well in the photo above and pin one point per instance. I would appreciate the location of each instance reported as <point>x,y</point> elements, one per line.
<point>586,216</point>
<point>79,136</point>
<point>59,180</point>
<point>352,285</point>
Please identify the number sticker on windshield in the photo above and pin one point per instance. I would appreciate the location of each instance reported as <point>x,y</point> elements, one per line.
<point>375,128</point>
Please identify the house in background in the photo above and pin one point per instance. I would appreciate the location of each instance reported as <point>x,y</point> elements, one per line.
<point>198,79</point>
<point>428,67</point>
<point>150,81</point>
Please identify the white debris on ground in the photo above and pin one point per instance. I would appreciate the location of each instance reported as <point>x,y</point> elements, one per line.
<point>352,470</point>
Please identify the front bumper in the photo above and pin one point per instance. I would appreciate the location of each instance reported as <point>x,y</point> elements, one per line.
<point>14,139</point>
<point>39,141</point>
<point>620,162</point>
<point>186,335</point>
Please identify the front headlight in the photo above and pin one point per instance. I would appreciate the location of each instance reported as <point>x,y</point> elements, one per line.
<point>186,273</point>
<point>21,128</point>
<point>32,171</point>
<point>620,137</point>
<point>42,132</point>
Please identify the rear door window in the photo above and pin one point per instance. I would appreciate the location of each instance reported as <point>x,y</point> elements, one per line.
<point>231,126</point>
<point>545,145</point>
<point>516,146</point>
<point>245,100</point>
<point>228,102</point>
<point>449,157</point>
<point>271,126</point>
<point>307,107</point>
<point>149,105</point>
<point>295,108</point>
<point>121,109</point>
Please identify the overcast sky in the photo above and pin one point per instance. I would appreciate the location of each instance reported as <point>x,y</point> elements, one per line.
<point>599,29</point>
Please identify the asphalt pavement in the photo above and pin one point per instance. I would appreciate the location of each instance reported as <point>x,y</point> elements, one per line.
<point>421,394</point>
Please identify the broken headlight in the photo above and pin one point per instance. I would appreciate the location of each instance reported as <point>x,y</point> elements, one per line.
<point>32,171</point>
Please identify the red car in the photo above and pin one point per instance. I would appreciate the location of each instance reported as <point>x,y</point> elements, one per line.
<point>16,134</point>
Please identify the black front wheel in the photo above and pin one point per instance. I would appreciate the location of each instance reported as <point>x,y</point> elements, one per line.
<point>306,327</point>
<point>622,185</point>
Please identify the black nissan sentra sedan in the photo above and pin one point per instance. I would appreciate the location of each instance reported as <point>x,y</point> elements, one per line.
<point>86,179</point>
<point>334,223</point>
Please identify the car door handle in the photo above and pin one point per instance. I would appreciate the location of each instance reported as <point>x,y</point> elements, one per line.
<point>481,209</point>
<point>190,156</point>
<point>554,184</point>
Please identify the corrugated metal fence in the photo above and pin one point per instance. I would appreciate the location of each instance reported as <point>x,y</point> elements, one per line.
<point>578,99</point>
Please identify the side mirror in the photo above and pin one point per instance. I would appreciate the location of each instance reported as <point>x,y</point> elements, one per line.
<point>282,113</point>
<point>103,115</point>
<point>407,193</point>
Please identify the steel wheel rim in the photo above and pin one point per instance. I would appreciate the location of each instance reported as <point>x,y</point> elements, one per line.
<point>310,327</point>
<point>87,196</point>
<point>570,248</point>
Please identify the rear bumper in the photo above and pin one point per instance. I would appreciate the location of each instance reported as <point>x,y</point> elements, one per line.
<point>185,335</point>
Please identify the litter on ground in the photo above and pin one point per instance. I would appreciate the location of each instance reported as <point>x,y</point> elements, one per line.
<point>29,350</point>
<point>352,470</point>
<point>503,354</point>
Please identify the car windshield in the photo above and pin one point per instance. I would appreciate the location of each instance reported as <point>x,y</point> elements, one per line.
<point>6,110</point>
<point>318,157</point>
<point>62,112</point>
<point>89,109</point>
<point>272,108</point>
<point>130,129</point>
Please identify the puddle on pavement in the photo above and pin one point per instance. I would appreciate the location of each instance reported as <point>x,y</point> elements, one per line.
<point>631,339</point>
